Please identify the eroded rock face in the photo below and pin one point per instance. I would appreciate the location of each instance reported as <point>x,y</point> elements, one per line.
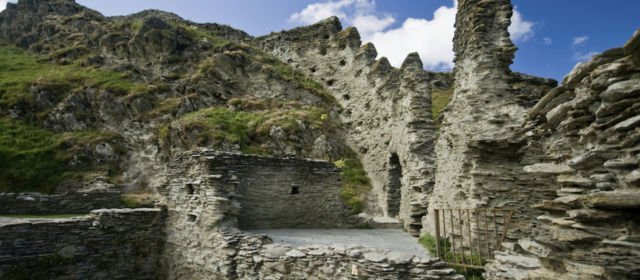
<point>586,133</point>
<point>387,111</point>
<point>478,164</point>
<point>180,66</point>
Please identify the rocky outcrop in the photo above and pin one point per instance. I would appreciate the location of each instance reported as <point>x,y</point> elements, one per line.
<point>387,111</point>
<point>153,68</point>
<point>478,160</point>
<point>583,135</point>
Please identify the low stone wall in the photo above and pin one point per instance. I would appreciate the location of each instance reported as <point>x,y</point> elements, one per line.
<point>70,203</point>
<point>256,260</point>
<point>107,244</point>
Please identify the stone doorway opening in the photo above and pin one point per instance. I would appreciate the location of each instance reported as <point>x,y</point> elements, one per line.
<point>394,185</point>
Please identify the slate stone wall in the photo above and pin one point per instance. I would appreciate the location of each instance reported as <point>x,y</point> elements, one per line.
<point>69,203</point>
<point>583,136</point>
<point>107,244</point>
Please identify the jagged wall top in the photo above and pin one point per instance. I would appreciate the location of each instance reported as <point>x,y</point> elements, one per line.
<point>481,31</point>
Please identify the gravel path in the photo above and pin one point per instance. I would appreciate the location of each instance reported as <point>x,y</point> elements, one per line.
<point>385,239</point>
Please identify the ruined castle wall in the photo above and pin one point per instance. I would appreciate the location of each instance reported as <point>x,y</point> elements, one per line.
<point>76,202</point>
<point>479,159</point>
<point>283,193</point>
<point>108,244</point>
<point>204,242</point>
<point>584,135</point>
<point>387,111</point>
<point>210,195</point>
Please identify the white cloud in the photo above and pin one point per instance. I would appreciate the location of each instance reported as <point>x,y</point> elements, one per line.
<point>3,4</point>
<point>431,38</point>
<point>370,24</point>
<point>319,11</point>
<point>580,40</point>
<point>547,41</point>
<point>579,45</point>
<point>520,29</point>
<point>584,56</point>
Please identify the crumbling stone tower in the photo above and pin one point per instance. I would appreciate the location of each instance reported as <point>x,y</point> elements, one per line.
<point>476,163</point>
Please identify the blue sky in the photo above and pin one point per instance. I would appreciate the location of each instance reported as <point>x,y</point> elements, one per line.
<point>553,35</point>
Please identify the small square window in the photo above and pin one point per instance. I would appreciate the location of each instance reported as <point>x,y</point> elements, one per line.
<point>295,190</point>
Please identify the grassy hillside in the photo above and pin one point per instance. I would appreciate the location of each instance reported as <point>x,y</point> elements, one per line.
<point>20,70</point>
<point>32,158</point>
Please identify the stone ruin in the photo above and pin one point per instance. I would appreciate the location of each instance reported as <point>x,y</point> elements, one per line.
<point>389,110</point>
<point>211,198</point>
<point>563,158</point>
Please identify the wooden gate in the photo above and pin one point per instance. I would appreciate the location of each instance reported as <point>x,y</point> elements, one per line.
<point>468,237</point>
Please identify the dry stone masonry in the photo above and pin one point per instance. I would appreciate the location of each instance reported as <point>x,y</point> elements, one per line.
<point>207,197</point>
<point>585,133</point>
<point>107,244</point>
<point>478,163</point>
<point>565,159</point>
<point>387,111</point>
<point>78,202</point>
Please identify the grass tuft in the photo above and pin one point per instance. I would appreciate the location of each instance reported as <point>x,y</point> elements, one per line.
<point>439,101</point>
<point>428,241</point>
<point>355,183</point>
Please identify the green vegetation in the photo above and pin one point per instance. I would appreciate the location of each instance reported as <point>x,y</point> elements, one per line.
<point>198,32</point>
<point>33,159</point>
<point>20,70</point>
<point>249,128</point>
<point>429,242</point>
<point>287,73</point>
<point>137,200</point>
<point>355,183</point>
<point>439,100</point>
<point>29,160</point>
<point>130,201</point>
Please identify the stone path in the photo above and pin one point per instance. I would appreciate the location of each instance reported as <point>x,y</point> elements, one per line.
<point>386,239</point>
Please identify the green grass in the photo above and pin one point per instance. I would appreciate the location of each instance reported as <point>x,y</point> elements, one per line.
<point>429,242</point>
<point>19,70</point>
<point>33,159</point>
<point>287,73</point>
<point>52,216</point>
<point>130,202</point>
<point>216,126</point>
<point>355,183</point>
<point>200,33</point>
<point>439,101</point>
